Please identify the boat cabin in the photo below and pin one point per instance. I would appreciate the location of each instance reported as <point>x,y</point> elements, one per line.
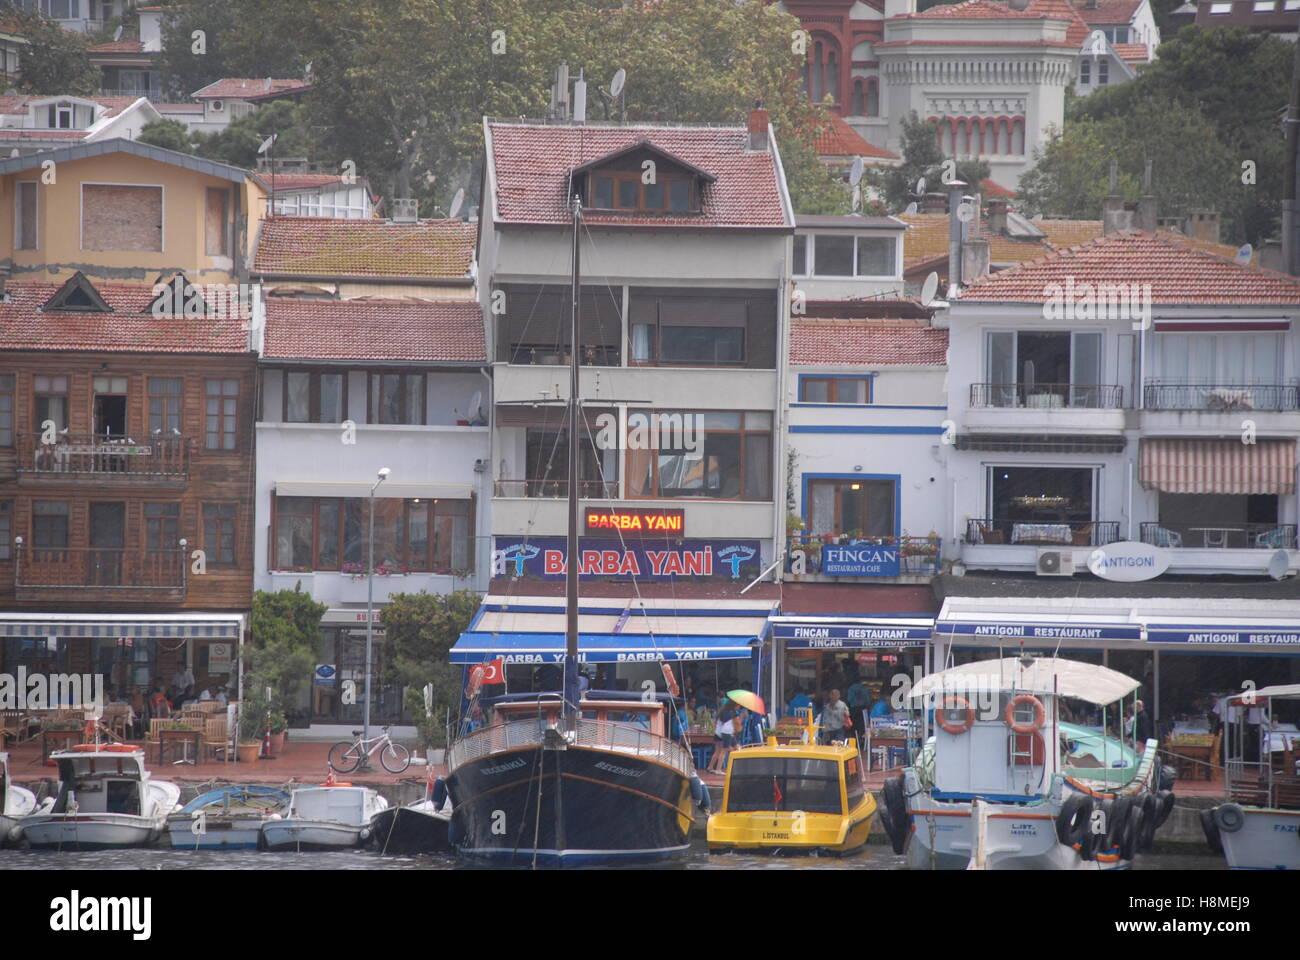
<point>787,778</point>
<point>339,804</point>
<point>645,715</point>
<point>1274,779</point>
<point>100,782</point>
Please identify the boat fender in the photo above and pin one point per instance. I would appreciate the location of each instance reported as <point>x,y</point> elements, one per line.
<point>1150,821</point>
<point>895,797</point>
<point>1020,700</point>
<point>700,794</point>
<point>1073,820</point>
<point>438,794</point>
<point>1229,818</point>
<point>1211,831</point>
<point>1117,814</point>
<point>365,833</point>
<point>1132,832</point>
<point>956,703</point>
<point>1166,798</point>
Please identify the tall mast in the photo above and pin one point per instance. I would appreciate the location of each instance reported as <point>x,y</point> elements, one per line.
<point>571,692</point>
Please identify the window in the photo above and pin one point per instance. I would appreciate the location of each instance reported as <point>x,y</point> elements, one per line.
<point>397,398</point>
<point>723,455</point>
<point>853,505</point>
<point>329,533</point>
<point>315,397</point>
<point>221,414</point>
<point>822,70</point>
<point>60,116</point>
<point>1103,72</point>
<point>536,325</point>
<point>25,216</point>
<point>1044,370</point>
<point>7,383</point>
<point>165,405</point>
<point>1264,6</point>
<point>215,226</point>
<point>723,329</point>
<point>1085,72</point>
<point>121,217</point>
<point>161,526</point>
<point>1221,8</point>
<point>834,389</point>
<point>800,255</point>
<point>50,525</point>
<point>110,406</point>
<point>6,530</point>
<point>219,533</point>
<point>1291,5</point>
<point>51,395</point>
<point>623,190</point>
<point>837,255</point>
<point>875,257</point>
<point>833,256</point>
<point>809,785</point>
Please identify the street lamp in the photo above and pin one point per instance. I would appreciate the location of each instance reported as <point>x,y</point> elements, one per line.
<point>370,614</point>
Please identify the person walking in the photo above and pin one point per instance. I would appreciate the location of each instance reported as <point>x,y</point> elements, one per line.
<point>835,718</point>
<point>859,700</point>
<point>724,740</point>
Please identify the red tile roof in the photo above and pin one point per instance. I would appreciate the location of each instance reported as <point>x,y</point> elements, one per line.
<point>972,10</point>
<point>531,163</point>
<point>425,331</point>
<point>117,46</point>
<point>992,189</point>
<point>1132,51</point>
<point>1077,32</point>
<point>337,247</point>
<point>178,107</point>
<point>1177,272</point>
<point>1109,11</point>
<point>127,330</point>
<point>838,139</point>
<point>296,181</point>
<point>863,342</point>
<point>245,88</point>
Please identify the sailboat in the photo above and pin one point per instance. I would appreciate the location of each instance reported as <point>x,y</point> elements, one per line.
<point>566,778</point>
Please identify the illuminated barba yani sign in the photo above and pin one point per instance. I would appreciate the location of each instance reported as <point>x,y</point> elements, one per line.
<point>636,521</point>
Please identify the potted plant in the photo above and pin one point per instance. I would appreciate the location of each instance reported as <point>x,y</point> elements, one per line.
<point>919,553</point>
<point>279,728</point>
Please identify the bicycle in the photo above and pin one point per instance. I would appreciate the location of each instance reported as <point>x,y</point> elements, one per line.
<point>346,755</point>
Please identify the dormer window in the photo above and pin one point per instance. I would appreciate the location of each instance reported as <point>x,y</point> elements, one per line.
<point>77,295</point>
<point>618,181</point>
<point>60,116</point>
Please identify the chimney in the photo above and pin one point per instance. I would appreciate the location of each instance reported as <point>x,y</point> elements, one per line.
<point>1270,255</point>
<point>997,216</point>
<point>560,93</point>
<point>974,260</point>
<point>955,234</point>
<point>1203,225</point>
<point>758,123</point>
<point>1146,210</point>
<point>1114,215</point>
<point>934,202</point>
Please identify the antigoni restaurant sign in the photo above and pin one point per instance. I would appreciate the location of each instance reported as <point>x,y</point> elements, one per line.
<point>1191,633</point>
<point>811,637</point>
<point>1128,561</point>
<point>687,559</point>
<point>1032,631</point>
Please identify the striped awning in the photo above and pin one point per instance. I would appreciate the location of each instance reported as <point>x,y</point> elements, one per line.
<point>1219,466</point>
<point>178,626</point>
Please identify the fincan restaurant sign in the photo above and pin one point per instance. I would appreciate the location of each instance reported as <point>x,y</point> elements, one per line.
<point>859,560</point>
<point>813,636</point>
<point>544,557</point>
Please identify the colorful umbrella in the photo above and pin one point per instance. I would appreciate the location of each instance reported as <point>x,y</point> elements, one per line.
<point>748,700</point>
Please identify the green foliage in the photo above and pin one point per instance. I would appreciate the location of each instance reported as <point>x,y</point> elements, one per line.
<point>419,631</point>
<point>923,158</point>
<point>55,61</point>
<point>285,630</point>
<point>238,143</point>
<point>169,134</point>
<point>181,69</point>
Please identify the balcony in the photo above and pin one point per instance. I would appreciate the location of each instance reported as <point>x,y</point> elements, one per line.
<point>99,574</point>
<point>104,460</point>
<point>1219,397</point>
<point>555,489</point>
<point>1047,396</point>
<point>1240,536</point>
<point>836,557</point>
<point>1070,533</point>
<point>1045,408</point>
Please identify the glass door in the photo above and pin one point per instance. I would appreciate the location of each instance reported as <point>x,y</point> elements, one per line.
<point>107,543</point>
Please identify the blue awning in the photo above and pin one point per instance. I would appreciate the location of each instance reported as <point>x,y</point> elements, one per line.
<point>598,648</point>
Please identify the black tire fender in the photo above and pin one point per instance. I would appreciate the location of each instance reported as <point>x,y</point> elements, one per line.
<point>1211,831</point>
<point>1229,818</point>
<point>1150,821</point>
<point>1117,822</point>
<point>895,797</point>
<point>1136,824</point>
<point>1166,799</point>
<point>1076,814</point>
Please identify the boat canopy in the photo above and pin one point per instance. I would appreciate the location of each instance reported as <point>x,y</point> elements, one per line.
<point>1285,691</point>
<point>1048,675</point>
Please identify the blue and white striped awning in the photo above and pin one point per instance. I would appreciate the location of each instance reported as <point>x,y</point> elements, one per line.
<point>213,626</point>
<point>597,648</point>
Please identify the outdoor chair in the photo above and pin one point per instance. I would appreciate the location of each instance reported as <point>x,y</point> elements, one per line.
<point>215,738</point>
<point>1276,539</point>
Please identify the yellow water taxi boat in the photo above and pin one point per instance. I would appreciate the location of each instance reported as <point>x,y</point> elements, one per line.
<point>794,798</point>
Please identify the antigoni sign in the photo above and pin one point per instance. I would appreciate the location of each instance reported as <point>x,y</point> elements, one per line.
<point>1128,561</point>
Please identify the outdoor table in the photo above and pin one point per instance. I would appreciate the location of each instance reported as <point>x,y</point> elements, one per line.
<point>1214,536</point>
<point>873,741</point>
<point>1197,757</point>
<point>184,737</point>
<point>61,739</point>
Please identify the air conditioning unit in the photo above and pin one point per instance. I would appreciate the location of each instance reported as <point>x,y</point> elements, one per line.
<point>218,106</point>
<point>1054,563</point>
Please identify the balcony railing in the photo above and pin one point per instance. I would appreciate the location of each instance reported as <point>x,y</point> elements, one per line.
<point>104,455</point>
<point>1159,395</point>
<point>604,735</point>
<point>592,356</point>
<point>917,556</point>
<point>1064,533</point>
<point>69,568</point>
<point>153,95</point>
<point>1047,396</point>
<point>1231,536</point>
<point>555,489</point>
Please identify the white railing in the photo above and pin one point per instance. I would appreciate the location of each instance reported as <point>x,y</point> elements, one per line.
<point>619,737</point>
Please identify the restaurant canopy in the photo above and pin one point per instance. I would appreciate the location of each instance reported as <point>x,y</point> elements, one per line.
<point>1068,678</point>
<point>1219,466</point>
<point>613,630</point>
<point>140,626</point>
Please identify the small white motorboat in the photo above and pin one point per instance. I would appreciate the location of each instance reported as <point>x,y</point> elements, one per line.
<point>324,817</point>
<point>106,799</point>
<point>228,818</point>
<point>15,803</point>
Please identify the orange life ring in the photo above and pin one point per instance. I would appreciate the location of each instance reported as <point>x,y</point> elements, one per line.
<point>956,703</point>
<point>104,747</point>
<point>338,783</point>
<point>1021,699</point>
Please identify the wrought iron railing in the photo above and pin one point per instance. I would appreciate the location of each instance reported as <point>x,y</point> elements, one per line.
<point>106,455</point>
<point>916,555</point>
<point>1233,536</point>
<point>79,567</point>
<point>1161,395</point>
<point>1063,533</point>
<point>556,489</point>
<point>599,734</point>
<point>1047,396</point>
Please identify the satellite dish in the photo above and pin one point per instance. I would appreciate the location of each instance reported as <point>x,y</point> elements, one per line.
<point>855,174</point>
<point>616,85</point>
<point>920,187</point>
<point>1279,565</point>
<point>966,210</point>
<point>1244,254</point>
<point>267,144</point>
<point>457,202</point>
<point>117,34</point>
<point>911,209</point>
<point>929,288</point>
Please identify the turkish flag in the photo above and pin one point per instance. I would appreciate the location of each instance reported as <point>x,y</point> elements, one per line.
<point>776,793</point>
<point>494,671</point>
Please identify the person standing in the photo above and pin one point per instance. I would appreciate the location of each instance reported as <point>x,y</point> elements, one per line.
<point>859,700</point>
<point>724,741</point>
<point>835,718</point>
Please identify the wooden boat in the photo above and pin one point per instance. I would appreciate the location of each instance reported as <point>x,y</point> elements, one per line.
<point>1007,790</point>
<point>324,817</point>
<point>1257,827</point>
<point>106,799</point>
<point>228,818</point>
<point>793,798</point>
<point>15,803</point>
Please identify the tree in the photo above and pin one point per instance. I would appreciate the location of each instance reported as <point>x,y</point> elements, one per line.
<point>170,134</point>
<point>285,628</point>
<point>55,60</point>
<point>239,142</point>
<point>923,158</point>
<point>419,631</point>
